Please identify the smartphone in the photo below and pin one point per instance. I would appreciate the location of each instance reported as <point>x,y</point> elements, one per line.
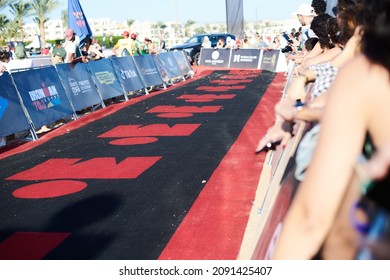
<point>288,39</point>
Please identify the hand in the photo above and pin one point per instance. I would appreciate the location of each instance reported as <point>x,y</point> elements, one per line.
<point>275,135</point>
<point>286,109</point>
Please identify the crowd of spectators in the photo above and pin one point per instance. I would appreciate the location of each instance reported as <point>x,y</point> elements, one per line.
<point>345,110</point>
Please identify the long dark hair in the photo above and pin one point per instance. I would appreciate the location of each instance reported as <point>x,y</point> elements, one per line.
<point>321,27</point>
<point>376,36</point>
<point>350,16</point>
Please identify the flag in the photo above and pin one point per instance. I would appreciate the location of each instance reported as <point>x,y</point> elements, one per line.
<point>78,21</point>
<point>235,17</point>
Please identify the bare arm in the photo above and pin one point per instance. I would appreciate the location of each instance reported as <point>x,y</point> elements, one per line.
<point>343,128</point>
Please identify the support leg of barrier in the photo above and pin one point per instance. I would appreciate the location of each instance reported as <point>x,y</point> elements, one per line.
<point>34,135</point>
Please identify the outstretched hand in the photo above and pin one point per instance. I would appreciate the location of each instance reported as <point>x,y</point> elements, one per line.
<point>275,135</point>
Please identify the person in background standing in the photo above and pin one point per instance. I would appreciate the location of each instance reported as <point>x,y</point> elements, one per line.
<point>162,43</point>
<point>123,45</point>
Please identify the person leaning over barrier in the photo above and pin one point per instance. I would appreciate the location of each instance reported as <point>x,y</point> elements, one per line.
<point>358,104</point>
<point>152,49</point>
<point>70,45</point>
<point>322,75</point>
<point>90,51</point>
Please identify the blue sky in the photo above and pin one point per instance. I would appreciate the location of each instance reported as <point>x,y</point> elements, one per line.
<point>201,11</point>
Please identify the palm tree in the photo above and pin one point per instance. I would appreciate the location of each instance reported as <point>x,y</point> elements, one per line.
<point>187,27</point>
<point>20,10</point>
<point>4,21</point>
<point>64,18</point>
<point>11,29</point>
<point>42,8</point>
<point>5,3</point>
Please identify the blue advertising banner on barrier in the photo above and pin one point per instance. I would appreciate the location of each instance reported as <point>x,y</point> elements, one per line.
<point>270,60</point>
<point>78,85</point>
<point>12,117</point>
<point>170,64</point>
<point>43,95</point>
<point>161,69</point>
<point>105,79</point>
<point>127,73</point>
<point>183,62</point>
<point>215,57</point>
<point>148,70</point>
<point>245,58</point>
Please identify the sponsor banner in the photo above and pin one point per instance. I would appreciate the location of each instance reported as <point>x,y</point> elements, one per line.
<point>270,60</point>
<point>12,117</point>
<point>215,57</point>
<point>245,58</point>
<point>170,64</point>
<point>43,95</point>
<point>105,79</point>
<point>127,73</point>
<point>78,85</point>
<point>148,70</point>
<point>161,69</point>
<point>182,61</point>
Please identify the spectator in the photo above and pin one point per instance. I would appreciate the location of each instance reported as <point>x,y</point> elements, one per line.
<point>123,46</point>
<point>20,61</point>
<point>323,75</point>
<point>162,43</point>
<point>96,44</point>
<point>45,51</point>
<point>9,49</point>
<point>319,7</point>
<point>152,49</point>
<point>230,43</point>
<point>239,43</point>
<point>70,45</point>
<point>331,7</point>
<point>4,59</point>
<point>134,45</point>
<point>220,43</point>
<point>206,42</point>
<point>90,51</point>
<point>326,29</point>
<point>364,112</point>
<point>111,41</point>
<point>245,44</point>
<point>309,45</point>
<point>275,44</point>
<point>305,14</point>
<point>262,45</point>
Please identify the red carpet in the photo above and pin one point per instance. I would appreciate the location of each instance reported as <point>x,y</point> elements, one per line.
<point>171,175</point>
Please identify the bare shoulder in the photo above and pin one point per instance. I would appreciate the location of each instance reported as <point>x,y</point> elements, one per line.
<point>360,73</point>
<point>360,66</point>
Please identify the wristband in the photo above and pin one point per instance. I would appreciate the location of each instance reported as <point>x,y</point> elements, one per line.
<point>299,104</point>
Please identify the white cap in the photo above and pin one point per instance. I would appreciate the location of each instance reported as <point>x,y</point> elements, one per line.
<point>304,10</point>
